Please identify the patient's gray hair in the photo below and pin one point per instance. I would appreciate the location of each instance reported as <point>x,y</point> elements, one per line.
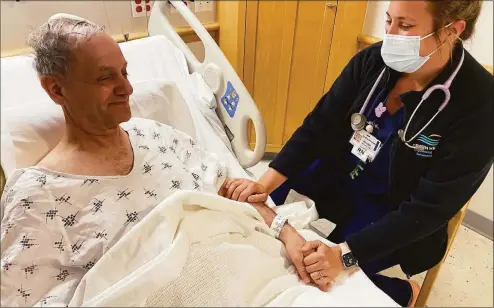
<point>54,41</point>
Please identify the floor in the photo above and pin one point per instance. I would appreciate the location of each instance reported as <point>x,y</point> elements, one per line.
<point>465,279</point>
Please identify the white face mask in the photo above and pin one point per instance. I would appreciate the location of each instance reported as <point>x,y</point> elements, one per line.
<point>402,52</point>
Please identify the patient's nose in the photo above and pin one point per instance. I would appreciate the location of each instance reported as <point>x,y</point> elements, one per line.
<point>124,87</point>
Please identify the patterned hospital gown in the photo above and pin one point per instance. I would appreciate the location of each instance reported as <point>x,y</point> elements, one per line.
<point>57,226</point>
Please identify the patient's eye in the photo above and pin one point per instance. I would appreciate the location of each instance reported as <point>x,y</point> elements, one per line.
<point>105,77</point>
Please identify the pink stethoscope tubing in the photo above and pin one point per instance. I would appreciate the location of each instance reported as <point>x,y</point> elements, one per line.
<point>442,87</point>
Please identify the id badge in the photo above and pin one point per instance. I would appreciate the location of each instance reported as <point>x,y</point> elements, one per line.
<point>365,146</point>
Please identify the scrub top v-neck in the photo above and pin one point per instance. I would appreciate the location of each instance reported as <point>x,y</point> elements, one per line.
<point>368,191</point>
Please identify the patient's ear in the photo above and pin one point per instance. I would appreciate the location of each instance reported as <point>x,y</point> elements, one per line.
<point>53,86</point>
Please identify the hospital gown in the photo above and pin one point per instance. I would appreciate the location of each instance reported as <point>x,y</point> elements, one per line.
<point>56,226</point>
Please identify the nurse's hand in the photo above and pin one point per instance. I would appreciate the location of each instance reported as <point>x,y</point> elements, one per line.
<point>245,190</point>
<point>323,265</point>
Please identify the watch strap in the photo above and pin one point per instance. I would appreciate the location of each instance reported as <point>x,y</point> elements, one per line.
<point>344,248</point>
<point>347,256</point>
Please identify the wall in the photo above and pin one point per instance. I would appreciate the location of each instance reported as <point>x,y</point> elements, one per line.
<point>481,47</point>
<point>19,18</point>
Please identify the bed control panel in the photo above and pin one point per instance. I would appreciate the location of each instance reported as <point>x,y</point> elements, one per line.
<point>230,100</point>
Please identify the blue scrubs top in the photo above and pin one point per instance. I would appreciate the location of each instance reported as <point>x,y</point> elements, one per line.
<point>369,190</point>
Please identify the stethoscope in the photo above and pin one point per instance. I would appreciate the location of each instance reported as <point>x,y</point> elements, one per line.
<point>358,120</point>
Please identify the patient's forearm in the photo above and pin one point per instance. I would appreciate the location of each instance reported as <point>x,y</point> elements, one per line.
<point>268,214</point>
<point>271,180</point>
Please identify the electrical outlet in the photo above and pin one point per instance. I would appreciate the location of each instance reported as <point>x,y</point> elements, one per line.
<point>138,8</point>
<point>149,6</point>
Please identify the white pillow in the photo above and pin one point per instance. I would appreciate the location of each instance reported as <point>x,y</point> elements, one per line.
<point>152,58</point>
<point>31,130</point>
<point>161,101</point>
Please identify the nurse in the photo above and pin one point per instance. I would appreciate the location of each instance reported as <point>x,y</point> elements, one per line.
<point>394,150</point>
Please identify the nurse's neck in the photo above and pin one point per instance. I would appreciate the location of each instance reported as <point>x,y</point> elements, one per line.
<point>431,69</point>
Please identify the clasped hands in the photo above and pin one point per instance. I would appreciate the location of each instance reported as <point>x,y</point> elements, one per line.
<point>314,261</point>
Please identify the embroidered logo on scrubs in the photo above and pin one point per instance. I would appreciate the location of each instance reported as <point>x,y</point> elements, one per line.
<point>425,146</point>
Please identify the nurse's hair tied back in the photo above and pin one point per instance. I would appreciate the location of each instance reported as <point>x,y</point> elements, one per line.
<point>447,11</point>
<point>54,41</point>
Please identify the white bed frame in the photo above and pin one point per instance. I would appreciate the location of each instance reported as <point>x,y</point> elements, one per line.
<point>217,72</point>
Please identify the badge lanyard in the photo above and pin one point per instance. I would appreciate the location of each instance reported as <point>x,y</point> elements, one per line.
<point>365,145</point>
<point>358,121</point>
<point>362,138</point>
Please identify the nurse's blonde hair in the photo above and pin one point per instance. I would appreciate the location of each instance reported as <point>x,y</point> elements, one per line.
<point>447,11</point>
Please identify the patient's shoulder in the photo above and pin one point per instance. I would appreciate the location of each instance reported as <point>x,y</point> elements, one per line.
<point>150,129</point>
<point>22,186</point>
<point>144,124</point>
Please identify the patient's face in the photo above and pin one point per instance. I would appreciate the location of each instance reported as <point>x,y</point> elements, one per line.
<point>96,89</point>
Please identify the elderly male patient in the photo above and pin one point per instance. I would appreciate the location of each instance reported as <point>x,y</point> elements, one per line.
<point>106,173</point>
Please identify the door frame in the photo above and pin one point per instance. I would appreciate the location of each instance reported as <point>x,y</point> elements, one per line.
<point>233,17</point>
<point>349,23</point>
<point>350,17</point>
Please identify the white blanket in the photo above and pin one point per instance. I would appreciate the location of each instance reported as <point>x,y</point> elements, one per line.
<point>197,249</point>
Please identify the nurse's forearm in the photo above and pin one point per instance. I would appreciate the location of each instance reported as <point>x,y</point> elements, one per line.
<point>271,180</point>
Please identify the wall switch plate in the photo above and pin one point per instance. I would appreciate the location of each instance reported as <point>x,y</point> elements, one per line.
<point>138,8</point>
<point>204,6</point>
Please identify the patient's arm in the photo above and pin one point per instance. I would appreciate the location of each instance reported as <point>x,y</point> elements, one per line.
<point>293,241</point>
<point>234,188</point>
<point>36,265</point>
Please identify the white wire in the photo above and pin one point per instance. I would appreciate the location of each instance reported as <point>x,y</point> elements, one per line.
<point>371,92</point>
<point>420,131</point>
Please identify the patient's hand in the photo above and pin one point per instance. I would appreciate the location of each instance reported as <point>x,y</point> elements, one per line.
<point>294,243</point>
<point>323,265</point>
<point>244,190</point>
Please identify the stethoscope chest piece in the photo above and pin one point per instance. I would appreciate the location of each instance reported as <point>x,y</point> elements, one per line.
<point>401,134</point>
<point>357,121</point>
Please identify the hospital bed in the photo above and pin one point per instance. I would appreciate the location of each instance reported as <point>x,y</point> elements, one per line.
<point>206,100</point>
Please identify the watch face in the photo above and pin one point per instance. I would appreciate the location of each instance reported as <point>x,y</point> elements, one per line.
<point>349,260</point>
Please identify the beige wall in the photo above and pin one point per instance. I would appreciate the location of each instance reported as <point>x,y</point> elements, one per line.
<point>481,47</point>
<point>19,18</point>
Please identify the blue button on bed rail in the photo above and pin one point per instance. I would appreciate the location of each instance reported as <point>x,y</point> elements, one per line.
<point>230,100</point>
